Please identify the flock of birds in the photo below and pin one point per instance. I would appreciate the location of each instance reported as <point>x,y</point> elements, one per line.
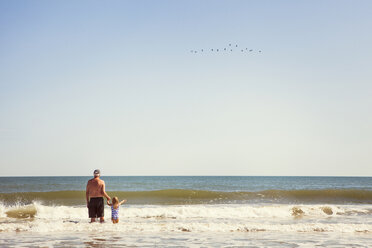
<point>229,48</point>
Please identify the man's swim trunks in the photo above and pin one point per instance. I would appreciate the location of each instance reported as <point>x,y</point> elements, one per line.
<point>96,207</point>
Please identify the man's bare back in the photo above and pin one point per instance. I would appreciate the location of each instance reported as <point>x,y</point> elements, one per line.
<point>96,187</point>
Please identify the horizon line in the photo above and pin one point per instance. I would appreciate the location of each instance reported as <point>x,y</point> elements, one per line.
<point>184,176</point>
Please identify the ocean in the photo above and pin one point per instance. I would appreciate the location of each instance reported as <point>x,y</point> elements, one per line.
<point>190,211</point>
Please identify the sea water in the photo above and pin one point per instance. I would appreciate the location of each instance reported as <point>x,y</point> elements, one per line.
<point>190,211</point>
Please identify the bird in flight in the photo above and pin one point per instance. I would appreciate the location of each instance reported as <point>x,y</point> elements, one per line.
<point>230,48</point>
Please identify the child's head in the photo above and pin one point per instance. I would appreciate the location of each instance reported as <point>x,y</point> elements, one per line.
<point>115,200</point>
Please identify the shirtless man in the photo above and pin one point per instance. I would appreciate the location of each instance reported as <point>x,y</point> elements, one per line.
<point>94,195</point>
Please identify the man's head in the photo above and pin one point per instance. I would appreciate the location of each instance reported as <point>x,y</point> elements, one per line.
<point>96,173</point>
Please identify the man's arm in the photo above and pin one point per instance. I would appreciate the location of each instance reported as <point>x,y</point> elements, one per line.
<point>87,194</point>
<point>104,192</point>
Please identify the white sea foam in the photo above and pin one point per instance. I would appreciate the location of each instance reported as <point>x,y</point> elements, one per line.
<point>192,218</point>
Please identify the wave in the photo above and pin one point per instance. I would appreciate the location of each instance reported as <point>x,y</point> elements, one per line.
<point>37,217</point>
<point>184,196</point>
<point>37,210</point>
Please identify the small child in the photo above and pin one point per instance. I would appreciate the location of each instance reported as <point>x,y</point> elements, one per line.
<point>115,209</point>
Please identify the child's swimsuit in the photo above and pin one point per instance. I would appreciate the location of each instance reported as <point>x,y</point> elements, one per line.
<point>114,213</point>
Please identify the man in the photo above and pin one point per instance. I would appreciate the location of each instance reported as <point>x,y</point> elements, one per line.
<point>94,195</point>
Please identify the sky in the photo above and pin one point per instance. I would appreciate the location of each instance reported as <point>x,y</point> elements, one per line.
<point>113,85</point>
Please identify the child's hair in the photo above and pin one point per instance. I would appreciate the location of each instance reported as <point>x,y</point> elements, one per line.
<point>115,201</point>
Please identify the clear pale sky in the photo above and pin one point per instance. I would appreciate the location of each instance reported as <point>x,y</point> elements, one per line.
<point>113,85</point>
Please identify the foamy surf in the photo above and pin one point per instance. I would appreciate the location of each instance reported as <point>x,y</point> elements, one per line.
<point>192,218</point>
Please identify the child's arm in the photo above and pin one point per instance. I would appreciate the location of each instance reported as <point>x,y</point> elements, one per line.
<point>123,201</point>
<point>108,203</point>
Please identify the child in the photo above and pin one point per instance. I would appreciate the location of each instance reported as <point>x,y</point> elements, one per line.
<point>115,209</point>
